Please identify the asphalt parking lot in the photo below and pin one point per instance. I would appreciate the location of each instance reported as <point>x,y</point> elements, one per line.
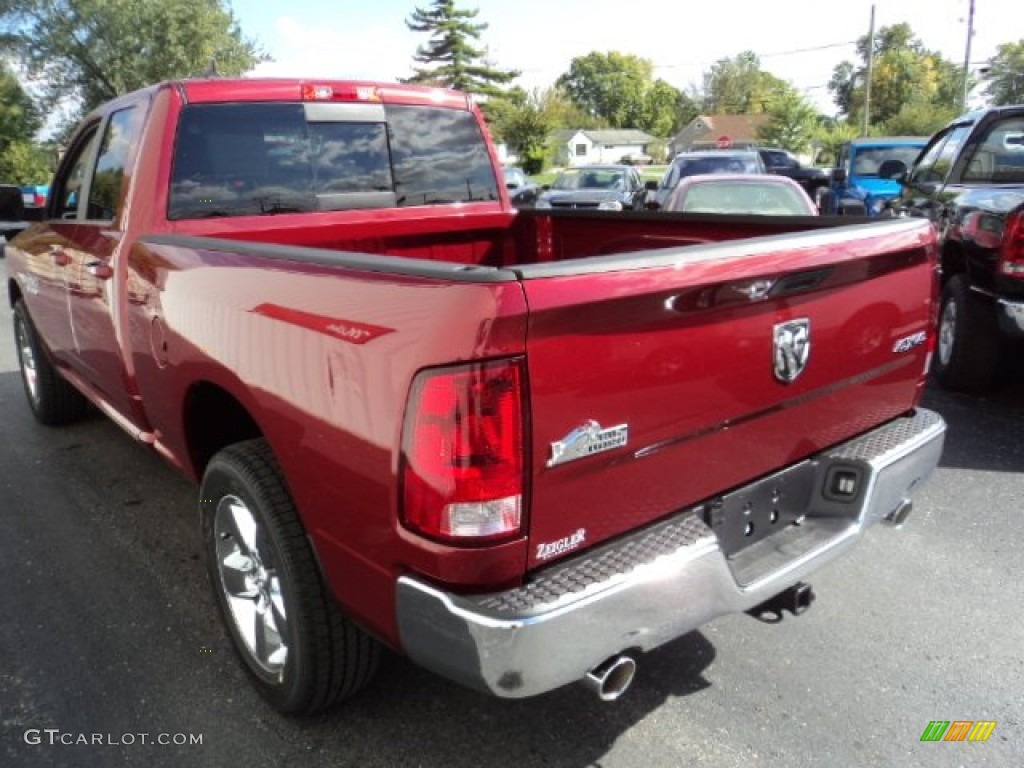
<point>108,628</point>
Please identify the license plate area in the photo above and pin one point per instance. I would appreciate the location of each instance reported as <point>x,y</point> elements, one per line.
<point>754,512</point>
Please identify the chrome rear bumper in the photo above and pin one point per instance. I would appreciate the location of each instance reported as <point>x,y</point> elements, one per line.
<point>661,582</point>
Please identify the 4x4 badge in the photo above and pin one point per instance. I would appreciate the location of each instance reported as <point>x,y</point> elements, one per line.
<point>792,348</point>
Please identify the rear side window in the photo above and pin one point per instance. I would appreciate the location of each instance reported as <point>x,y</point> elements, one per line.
<point>250,159</point>
<point>999,158</point>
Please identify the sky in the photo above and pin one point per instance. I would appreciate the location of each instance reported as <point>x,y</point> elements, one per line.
<point>797,40</point>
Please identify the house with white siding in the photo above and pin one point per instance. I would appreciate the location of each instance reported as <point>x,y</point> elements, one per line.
<point>583,147</point>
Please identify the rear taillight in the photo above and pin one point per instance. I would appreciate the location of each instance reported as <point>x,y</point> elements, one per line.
<point>39,200</point>
<point>1011,249</point>
<point>462,453</point>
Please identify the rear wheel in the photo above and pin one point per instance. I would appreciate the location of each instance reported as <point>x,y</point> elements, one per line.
<point>52,399</point>
<point>302,653</point>
<point>968,347</point>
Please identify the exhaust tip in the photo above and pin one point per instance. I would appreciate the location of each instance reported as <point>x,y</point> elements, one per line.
<point>610,679</point>
<point>899,516</point>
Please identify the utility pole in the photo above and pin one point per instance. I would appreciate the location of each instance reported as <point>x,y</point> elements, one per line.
<point>867,83</point>
<point>967,54</point>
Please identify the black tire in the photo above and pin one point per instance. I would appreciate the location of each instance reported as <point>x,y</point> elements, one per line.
<point>52,399</point>
<point>821,199</point>
<point>326,657</point>
<point>967,353</point>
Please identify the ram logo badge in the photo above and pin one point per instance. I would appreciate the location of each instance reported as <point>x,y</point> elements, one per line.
<point>792,348</point>
<point>586,441</point>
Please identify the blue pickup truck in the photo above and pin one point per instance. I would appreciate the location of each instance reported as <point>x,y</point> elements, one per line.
<point>866,175</point>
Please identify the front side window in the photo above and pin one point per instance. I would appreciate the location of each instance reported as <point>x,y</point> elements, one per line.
<point>120,136</point>
<point>252,159</point>
<point>69,184</point>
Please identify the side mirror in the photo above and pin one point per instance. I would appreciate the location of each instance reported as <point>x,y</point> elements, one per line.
<point>839,175</point>
<point>651,185</point>
<point>545,187</point>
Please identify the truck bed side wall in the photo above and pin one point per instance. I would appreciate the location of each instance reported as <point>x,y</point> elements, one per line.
<point>321,358</point>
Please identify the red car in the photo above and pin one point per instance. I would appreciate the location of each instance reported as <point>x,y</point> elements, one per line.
<point>745,193</point>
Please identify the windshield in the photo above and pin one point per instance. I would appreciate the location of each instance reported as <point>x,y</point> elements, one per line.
<point>868,160</point>
<point>246,159</point>
<point>514,176</point>
<point>590,179</point>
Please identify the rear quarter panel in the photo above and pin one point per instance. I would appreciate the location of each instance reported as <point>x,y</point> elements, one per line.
<point>322,357</point>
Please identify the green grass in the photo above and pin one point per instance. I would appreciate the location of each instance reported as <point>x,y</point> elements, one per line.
<point>647,173</point>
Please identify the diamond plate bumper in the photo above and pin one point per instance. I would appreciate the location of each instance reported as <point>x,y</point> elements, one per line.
<point>661,582</point>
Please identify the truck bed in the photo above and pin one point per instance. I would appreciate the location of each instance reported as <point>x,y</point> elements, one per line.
<point>653,321</point>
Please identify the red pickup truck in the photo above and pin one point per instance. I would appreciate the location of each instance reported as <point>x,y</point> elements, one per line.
<point>520,447</point>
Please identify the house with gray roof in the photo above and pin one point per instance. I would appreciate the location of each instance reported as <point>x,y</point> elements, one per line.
<point>583,147</point>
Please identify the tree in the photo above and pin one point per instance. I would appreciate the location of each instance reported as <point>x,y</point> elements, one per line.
<point>19,118</point>
<point>24,162</point>
<point>919,117</point>
<point>791,122</point>
<point>620,90</point>
<point>525,123</point>
<point>903,71</point>
<point>93,50</point>
<point>738,86</point>
<point>829,136</point>
<point>21,160</point>
<point>450,59</point>
<point>1005,77</point>
<point>666,109</point>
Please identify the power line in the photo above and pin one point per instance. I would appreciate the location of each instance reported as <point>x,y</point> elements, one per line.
<point>806,50</point>
<point>769,55</point>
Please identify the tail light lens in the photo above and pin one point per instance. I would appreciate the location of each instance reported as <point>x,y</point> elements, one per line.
<point>1011,250</point>
<point>463,461</point>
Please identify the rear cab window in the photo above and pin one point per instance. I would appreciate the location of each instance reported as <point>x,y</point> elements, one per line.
<point>242,159</point>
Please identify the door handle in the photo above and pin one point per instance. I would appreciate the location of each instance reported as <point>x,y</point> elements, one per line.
<point>99,269</point>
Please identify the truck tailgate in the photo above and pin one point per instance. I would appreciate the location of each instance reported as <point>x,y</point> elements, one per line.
<point>662,379</point>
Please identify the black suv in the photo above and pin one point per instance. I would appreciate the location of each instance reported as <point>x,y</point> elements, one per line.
<point>781,162</point>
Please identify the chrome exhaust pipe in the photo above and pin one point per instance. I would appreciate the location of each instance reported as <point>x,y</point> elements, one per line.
<point>898,516</point>
<point>611,678</point>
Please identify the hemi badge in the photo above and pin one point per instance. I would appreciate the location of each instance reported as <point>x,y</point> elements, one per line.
<point>586,441</point>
